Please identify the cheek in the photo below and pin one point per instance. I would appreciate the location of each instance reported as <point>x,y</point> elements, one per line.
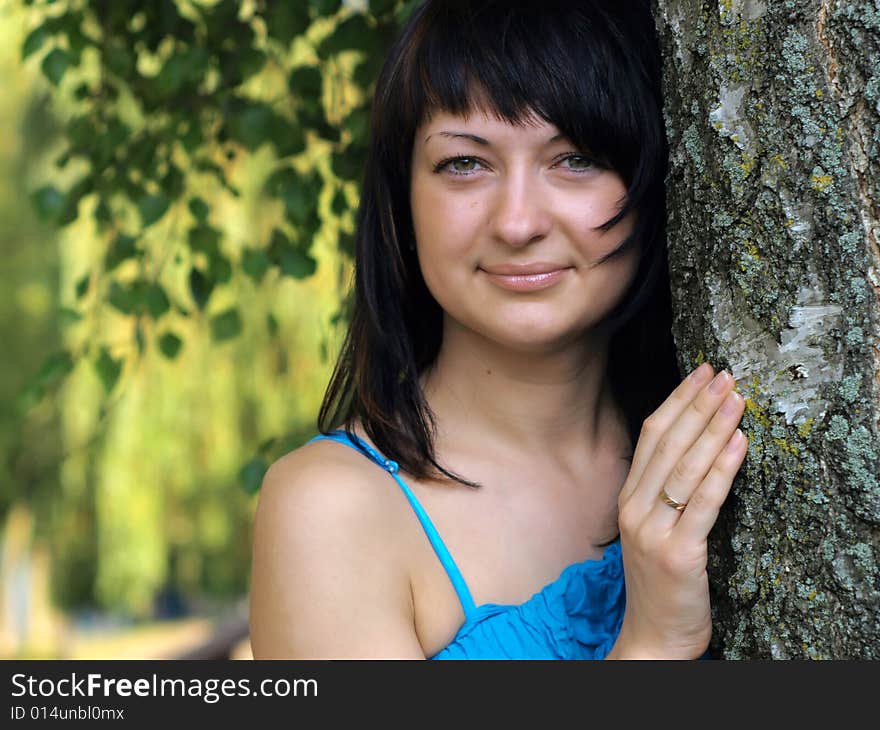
<point>584,218</point>
<point>605,200</point>
<point>443,223</point>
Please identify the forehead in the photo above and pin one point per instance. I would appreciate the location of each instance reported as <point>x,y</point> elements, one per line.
<point>444,125</point>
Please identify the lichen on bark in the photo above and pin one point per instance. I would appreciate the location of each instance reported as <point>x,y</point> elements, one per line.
<point>772,114</point>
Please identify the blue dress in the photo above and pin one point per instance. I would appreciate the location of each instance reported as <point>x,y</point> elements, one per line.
<point>577,616</point>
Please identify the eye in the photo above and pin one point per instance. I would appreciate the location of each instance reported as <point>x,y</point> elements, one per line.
<point>580,163</point>
<point>458,165</point>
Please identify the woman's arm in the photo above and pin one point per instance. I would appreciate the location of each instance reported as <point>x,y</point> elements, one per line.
<point>325,579</point>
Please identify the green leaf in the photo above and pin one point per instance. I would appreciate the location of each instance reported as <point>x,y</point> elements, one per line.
<point>252,473</point>
<point>299,194</point>
<point>123,298</point>
<point>193,137</point>
<point>255,263</point>
<point>277,244</point>
<point>74,195</point>
<point>348,164</point>
<point>49,203</point>
<point>68,316</point>
<point>286,20</point>
<point>287,137</point>
<point>293,261</point>
<point>252,125</point>
<point>219,268</point>
<point>200,286</point>
<point>172,182</point>
<point>325,7</point>
<point>156,300</point>
<point>54,368</point>
<point>340,203</point>
<point>55,64</point>
<point>141,152</point>
<point>108,369</point>
<point>28,398</point>
<point>226,325</point>
<point>185,68</point>
<point>63,159</point>
<point>169,345</point>
<point>271,324</point>
<point>114,138</point>
<point>380,7</point>
<point>305,81</point>
<point>122,249</point>
<point>204,238</point>
<point>152,208</point>
<point>367,71</point>
<point>347,35</point>
<point>172,75</point>
<point>403,12</point>
<point>139,338</point>
<point>311,115</point>
<point>103,214</point>
<point>251,61</point>
<point>358,125</point>
<point>82,286</point>
<point>199,208</point>
<point>298,202</point>
<point>204,165</point>
<point>34,41</point>
<point>77,41</point>
<point>296,263</point>
<point>347,243</point>
<point>220,16</point>
<point>118,57</point>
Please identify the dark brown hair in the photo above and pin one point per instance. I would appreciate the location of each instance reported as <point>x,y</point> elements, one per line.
<point>591,68</point>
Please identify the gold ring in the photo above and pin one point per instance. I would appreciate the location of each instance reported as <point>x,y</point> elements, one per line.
<point>675,504</point>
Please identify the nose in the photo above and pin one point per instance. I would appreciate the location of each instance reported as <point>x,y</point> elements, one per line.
<point>519,214</point>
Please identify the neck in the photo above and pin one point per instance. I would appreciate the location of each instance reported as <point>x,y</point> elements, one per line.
<point>551,404</point>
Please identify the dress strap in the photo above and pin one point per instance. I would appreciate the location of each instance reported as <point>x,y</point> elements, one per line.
<point>458,582</point>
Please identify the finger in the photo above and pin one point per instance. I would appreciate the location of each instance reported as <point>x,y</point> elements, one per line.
<point>690,470</point>
<point>699,516</point>
<point>679,437</point>
<point>660,420</point>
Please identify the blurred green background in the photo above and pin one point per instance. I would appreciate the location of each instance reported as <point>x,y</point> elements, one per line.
<point>178,185</point>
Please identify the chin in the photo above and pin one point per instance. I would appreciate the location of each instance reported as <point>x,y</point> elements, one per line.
<point>536,341</point>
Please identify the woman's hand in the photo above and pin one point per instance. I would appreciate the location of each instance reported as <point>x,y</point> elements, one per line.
<point>691,447</point>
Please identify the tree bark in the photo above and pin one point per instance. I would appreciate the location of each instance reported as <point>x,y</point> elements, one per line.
<point>773,121</point>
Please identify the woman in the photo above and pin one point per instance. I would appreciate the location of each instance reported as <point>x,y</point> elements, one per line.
<point>509,346</point>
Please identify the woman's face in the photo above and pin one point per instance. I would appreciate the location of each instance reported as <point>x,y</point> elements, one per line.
<point>516,197</point>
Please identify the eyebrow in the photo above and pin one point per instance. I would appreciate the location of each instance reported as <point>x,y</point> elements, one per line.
<point>481,140</point>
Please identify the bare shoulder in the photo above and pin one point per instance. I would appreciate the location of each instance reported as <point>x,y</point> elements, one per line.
<point>329,578</point>
<point>327,478</point>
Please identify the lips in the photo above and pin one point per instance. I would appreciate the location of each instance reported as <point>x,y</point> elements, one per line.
<point>528,279</point>
<point>538,267</point>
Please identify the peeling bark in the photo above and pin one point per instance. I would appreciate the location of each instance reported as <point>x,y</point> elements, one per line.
<point>773,119</point>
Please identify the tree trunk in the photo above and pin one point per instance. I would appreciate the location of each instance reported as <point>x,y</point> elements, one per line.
<point>772,112</point>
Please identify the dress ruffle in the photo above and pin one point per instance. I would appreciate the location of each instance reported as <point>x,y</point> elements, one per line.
<point>577,616</point>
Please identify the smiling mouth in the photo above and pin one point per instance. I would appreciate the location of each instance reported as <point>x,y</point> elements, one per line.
<point>527,282</point>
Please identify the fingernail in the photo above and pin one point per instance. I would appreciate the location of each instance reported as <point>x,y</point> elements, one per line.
<point>735,440</point>
<point>701,374</point>
<point>731,403</point>
<point>720,382</point>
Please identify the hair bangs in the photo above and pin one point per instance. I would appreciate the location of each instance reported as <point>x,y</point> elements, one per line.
<point>561,63</point>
